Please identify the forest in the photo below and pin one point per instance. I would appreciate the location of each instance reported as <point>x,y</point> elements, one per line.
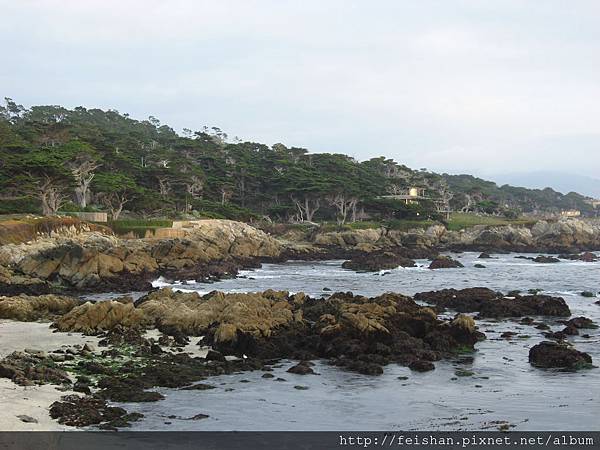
<point>54,159</point>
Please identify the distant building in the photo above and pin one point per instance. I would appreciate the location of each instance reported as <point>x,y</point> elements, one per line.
<point>571,213</point>
<point>412,195</point>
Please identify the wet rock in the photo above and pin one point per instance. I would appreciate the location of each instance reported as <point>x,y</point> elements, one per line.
<point>301,369</point>
<point>580,322</point>
<point>84,388</point>
<point>376,261</point>
<point>485,255</point>
<point>463,300</point>
<point>588,294</point>
<point>26,419</point>
<point>546,260</point>
<point>301,388</point>
<point>420,365</point>
<point>213,355</point>
<point>77,411</point>
<point>26,369</point>
<point>268,375</point>
<point>553,355</point>
<point>479,266</point>
<point>199,387</point>
<point>445,262</point>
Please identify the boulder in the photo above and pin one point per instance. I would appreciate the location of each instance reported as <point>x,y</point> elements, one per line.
<point>445,262</point>
<point>29,308</point>
<point>376,261</point>
<point>554,355</point>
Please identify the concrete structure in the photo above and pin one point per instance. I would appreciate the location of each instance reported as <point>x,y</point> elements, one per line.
<point>571,213</point>
<point>91,216</point>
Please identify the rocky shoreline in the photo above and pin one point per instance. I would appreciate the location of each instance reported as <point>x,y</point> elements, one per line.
<point>41,280</point>
<point>254,332</point>
<point>80,261</point>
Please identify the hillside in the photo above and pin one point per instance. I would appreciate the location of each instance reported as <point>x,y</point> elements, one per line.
<point>54,159</point>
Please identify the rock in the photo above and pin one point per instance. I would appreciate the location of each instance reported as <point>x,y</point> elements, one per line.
<point>445,262</point>
<point>88,347</point>
<point>485,255</point>
<point>80,412</point>
<point>301,369</point>
<point>301,388</point>
<point>29,308</point>
<point>199,387</point>
<point>268,375</point>
<point>199,417</point>
<point>105,315</point>
<point>27,419</point>
<point>546,259</point>
<point>213,355</point>
<point>26,369</point>
<point>420,365</point>
<point>492,304</point>
<point>588,294</point>
<point>552,355</point>
<point>375,261</point>
<point>82,387</point>
<point>580,322</point>
<point>479,266</point>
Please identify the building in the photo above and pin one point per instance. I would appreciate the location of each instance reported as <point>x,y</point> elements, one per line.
<point>571,213</point>
<point>412,195</point>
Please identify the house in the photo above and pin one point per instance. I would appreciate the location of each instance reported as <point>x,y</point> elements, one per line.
<point>571,213</point>
<point>411,195</point>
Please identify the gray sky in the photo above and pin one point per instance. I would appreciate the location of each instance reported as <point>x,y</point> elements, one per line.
<point>459,86</point>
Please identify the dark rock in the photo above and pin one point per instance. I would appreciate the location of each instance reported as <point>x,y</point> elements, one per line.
<point>485,255</point>
<point>580,322</point>
<point>375,261</point>
<point>420,365</point>
<point>445,262</point>
<point>301,369</point>
<point>27,419</point>
<point>199,387</point>
<point>78,411</point>
<point>479,266</point>
<point>546,260</point>
<point>26,369</point>
<point>553,355</point>
<point>213,355</point>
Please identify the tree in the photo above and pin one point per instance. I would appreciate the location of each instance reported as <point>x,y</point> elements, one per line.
<point>82,168</point>
<point>115,190</point>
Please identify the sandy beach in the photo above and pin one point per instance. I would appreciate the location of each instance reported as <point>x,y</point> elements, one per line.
<point>32,401</point>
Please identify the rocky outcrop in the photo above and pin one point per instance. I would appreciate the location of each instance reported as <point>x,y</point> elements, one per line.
<point>275,324</point>
<point>445,262</point>
<point>29,308</point>
<point>99,262</point>
<point>101,316</point>
<point>554,355</point>
<point>376,261</point>
<point>27,369</point>
<point>493,304</point>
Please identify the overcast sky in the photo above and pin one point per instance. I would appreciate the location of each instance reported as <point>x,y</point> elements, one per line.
<point>459,86</point>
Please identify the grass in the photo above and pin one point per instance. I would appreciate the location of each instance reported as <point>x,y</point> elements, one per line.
<point>460,221</point>
<point>15,230</point>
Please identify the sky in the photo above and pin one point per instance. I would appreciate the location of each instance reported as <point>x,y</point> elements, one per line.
<point>483,87</point>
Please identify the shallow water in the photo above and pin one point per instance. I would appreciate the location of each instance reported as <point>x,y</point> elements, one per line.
<point>504,386</point>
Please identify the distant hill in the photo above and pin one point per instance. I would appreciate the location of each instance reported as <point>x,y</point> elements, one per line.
<point>559,181</point>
